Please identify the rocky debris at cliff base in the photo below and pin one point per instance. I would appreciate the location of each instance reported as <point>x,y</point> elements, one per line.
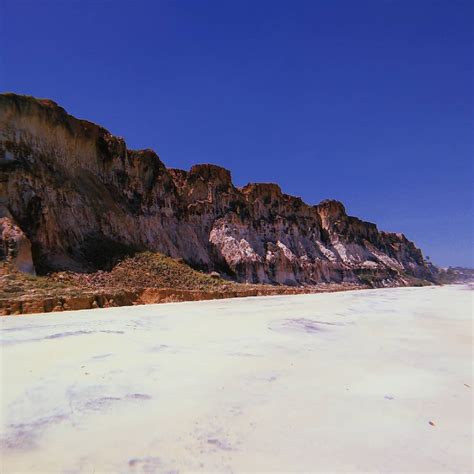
<point>76,299</point>
<point>142,279</point>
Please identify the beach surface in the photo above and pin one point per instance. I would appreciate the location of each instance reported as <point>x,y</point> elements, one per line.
<point>373,380</point>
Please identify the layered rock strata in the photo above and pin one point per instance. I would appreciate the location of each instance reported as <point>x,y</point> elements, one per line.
<point>72,196</point>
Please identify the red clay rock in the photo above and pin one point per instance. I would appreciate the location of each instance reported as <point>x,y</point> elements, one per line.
<point>33,306</point>
<point>80,302</point>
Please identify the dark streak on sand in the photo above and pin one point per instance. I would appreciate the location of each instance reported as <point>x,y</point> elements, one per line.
<point>101,403</point>
<point>147,464</point>
<point>60,335</point>
<point>243,354</point>
<point>159,348</point>
<point>139,396</point>
<point>304,325</point>
<point>80,333</point>
<point>101,356</point>
<point>220,444</point>
<point>25,435</point>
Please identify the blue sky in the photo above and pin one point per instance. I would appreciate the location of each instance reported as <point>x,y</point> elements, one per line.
<point>368,102</point>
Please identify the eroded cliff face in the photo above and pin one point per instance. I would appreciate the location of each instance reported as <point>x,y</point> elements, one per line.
<point>76,196</point>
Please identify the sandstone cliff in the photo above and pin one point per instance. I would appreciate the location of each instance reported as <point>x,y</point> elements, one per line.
<point>72,196</point>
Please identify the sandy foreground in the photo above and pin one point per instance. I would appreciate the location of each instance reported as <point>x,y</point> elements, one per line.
<point>323,382</point>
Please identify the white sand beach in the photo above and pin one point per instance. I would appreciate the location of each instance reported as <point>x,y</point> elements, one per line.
<point>317,383</point>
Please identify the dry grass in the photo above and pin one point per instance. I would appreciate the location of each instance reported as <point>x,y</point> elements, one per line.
<point>145,270</point>
<point>14,283</point>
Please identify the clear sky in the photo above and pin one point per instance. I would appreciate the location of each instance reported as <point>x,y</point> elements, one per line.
<point>368,102</point>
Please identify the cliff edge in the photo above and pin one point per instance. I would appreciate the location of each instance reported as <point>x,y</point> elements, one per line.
<point>73,197</point>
